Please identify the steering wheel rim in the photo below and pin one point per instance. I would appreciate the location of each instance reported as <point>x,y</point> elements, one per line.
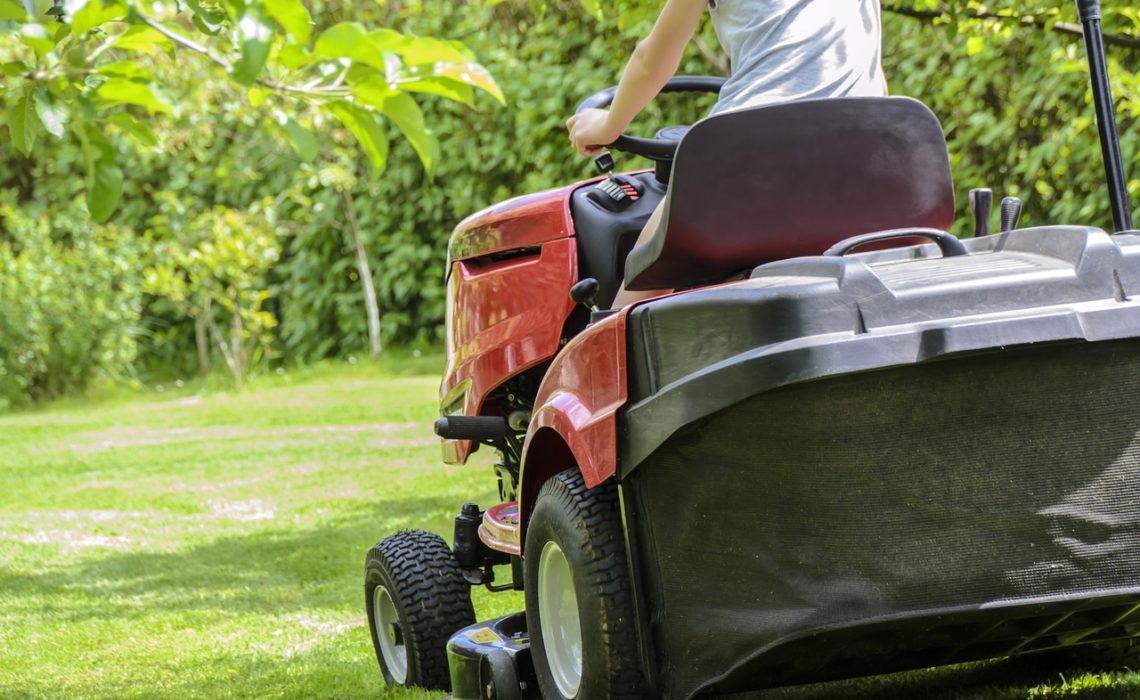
<point>654,149</point>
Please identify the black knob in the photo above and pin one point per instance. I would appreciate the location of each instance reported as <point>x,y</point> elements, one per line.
<point>1010,213</point>
<point>605,162</point>
<point>981,204</point>
<point>586,293</point>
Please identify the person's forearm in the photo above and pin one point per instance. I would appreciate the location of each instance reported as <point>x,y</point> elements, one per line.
<point>643,78</point>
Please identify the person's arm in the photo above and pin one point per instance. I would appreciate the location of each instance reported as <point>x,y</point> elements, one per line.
<point>653,62</point>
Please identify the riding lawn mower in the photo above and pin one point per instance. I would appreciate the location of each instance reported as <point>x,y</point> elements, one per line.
<point>847,443</point>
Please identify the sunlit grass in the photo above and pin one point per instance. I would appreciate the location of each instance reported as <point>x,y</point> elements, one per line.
<point>205,543</point>
<point>176,545</point>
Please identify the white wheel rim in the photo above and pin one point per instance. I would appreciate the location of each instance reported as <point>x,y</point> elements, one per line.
<point>558,613</point>
<point>390,635</point>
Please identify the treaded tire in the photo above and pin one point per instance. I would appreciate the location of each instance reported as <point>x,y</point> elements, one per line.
<point>586,525</point>
<point>431,599</point>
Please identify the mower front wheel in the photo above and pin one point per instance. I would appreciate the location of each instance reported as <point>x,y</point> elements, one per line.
<point>416,599</point>
<point>579,602</point>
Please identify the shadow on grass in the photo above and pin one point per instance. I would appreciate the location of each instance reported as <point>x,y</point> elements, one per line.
<point>284,571</point>
<point>1040,676</point>
<point>269,571</point>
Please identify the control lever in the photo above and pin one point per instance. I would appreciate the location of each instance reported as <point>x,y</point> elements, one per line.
<point>1010,213</point>
<point>981,204</point>
<point>586,294</point>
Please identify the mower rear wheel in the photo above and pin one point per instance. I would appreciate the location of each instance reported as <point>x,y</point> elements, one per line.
<point>579,601</point>
<point>416,599</point>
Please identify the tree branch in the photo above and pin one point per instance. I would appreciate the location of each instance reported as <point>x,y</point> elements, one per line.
<point>1120,40</point>
<point>184,42</point>
<point>327,91</point>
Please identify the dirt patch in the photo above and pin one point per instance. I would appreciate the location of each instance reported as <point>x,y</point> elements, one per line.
<point>241,511</point>
<point>73,540</point>
<point>132,436</point>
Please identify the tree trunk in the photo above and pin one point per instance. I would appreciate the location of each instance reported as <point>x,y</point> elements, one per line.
<point>220,340</point>
<point>203,343</point>
<point>370,303</point>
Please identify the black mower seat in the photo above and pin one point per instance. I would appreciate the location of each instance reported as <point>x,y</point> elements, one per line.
<point>787,180</point>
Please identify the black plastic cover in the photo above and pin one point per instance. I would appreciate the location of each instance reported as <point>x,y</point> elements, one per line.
<point>693,354</point>
<point>491,661</point>
<point>902,518</point>
<point>605,237</point>
<point>854,465</point>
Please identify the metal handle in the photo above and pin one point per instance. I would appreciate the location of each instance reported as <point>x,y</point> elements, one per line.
<point>949,245</point>
<point>1089,11</point>
<point>477,428</point>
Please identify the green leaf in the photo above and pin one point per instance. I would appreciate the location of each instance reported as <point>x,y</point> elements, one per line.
<point>125,69</point>
<point>142,39</point>
<point>137,129</point>
<point>256,38</point>
<point>420,49</point>
<point>593,7</point>
<point>372,89</point>
<point>302,141</point>
<point>13,68</point>
<point>471,74</point>
<point>293,17</point>
<point>404,111</point>
<point>13,10</point>
<point>105,191</point>
<point>257,95</point>
<point>205,27</point>
<point>208,18</point>
<point>293,56</point>
<point>52,114</point>
<point>35,36</point>
<point>350,40</point>
<point>367,131</point>
<point>444,87</point>
<point>95,13</point>
<point>124,91</point>
<point>23,123</point>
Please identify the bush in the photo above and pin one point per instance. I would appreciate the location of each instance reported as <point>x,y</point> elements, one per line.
<point>69,303</point>
<point>1013,98</point>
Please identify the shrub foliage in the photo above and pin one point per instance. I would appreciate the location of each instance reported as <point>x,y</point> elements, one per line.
<point>227,163</point>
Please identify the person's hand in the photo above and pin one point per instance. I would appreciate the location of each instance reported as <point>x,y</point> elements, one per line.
<point>590,131</point>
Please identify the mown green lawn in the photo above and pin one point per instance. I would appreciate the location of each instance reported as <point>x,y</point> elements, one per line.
<point>181,545</point>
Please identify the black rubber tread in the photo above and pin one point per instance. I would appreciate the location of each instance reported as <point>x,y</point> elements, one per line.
<point>587,524</point>
<point>432,600</point>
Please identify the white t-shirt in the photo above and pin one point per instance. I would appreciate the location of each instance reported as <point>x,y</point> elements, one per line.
<point>782,50</point>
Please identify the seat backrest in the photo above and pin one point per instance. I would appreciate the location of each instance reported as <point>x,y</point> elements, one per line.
<point>792,179</point>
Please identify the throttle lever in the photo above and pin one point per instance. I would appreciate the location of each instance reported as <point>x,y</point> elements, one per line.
<point>1010,213</point>
<point>981,204</point>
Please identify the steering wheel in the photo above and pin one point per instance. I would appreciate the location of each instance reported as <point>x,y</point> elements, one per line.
<point>665,145</point>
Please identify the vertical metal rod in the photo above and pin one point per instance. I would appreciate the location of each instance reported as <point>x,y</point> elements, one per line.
<point>1089,11</point>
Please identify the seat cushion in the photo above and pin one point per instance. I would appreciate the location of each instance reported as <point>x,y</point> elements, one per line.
<point>788,180</point>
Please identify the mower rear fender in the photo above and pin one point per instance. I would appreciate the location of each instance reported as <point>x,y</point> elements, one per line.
<point>575,419</point>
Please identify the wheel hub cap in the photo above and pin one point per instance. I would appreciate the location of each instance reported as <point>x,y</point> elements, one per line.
<point>558,613</point>
<point>390,634</point>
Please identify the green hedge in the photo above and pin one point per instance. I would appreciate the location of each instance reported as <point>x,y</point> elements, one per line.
<point>1014,100</point>
<point>69,304</point>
